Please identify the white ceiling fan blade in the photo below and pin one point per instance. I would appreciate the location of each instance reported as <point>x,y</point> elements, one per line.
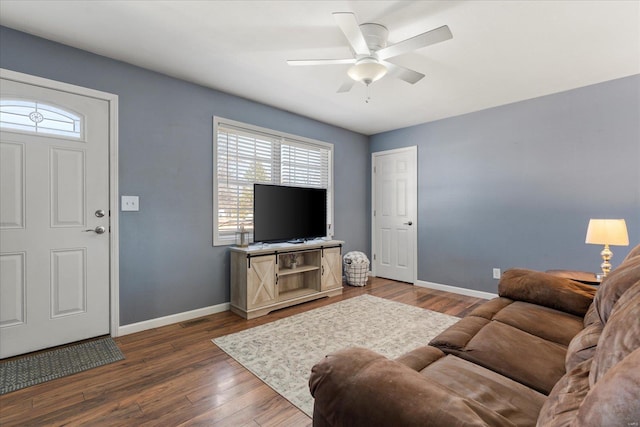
<point>403,73</point>
<point>349,26</point>
<point>421,40</point>
<point>346,85</point>
<point>296,62</point>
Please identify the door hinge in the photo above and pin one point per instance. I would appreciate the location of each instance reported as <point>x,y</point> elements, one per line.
<point>374,212</point>
<point>374,257</point>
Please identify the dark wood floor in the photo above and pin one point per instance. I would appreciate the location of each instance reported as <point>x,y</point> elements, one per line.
<point>175,375</point>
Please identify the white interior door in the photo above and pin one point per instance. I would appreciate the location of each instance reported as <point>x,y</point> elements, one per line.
<point>54,255</point>
<point>395,214</point>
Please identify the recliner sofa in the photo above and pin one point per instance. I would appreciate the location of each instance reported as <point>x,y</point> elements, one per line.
<point>548,351</point>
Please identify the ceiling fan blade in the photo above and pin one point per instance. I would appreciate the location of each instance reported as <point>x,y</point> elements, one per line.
<point>403,73</point>
<point>346,85</point>
<point>421,40</point>
<point>349,26</point>
<point>297,62</point>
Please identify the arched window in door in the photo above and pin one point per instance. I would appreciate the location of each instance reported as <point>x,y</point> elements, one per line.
<point>36,117</point>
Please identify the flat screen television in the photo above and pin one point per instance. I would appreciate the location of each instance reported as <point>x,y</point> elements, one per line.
<point>288,214</point>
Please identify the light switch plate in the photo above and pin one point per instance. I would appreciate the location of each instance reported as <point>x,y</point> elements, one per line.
<point>130,203</point>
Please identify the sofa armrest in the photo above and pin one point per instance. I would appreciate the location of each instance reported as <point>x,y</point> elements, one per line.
<point>357,387</point>
<point>545,289</point>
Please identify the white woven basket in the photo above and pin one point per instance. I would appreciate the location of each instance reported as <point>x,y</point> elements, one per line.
<point>356,268</point>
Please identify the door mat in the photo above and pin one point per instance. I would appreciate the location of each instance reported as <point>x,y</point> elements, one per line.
<point>38,368</point>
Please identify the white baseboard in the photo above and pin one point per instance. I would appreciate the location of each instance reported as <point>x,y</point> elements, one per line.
<point>456,290</point>
<point>168,320</point>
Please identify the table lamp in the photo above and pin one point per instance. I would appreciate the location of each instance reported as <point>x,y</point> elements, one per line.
<point>607,232</point>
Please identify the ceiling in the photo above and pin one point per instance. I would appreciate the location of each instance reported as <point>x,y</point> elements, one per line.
<point>501,51</point>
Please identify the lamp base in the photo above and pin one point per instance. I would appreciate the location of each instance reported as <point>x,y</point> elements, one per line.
<point>606,256</point>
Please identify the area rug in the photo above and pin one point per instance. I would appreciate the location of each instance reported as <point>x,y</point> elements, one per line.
<point>282,353</point>
<point>48,365</point>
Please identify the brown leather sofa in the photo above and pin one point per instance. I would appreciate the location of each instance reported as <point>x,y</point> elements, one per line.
<point>546,353</point>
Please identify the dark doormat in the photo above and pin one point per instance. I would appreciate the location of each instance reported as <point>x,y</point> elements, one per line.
<point>48,365</point>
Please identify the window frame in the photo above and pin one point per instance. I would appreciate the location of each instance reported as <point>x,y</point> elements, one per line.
<point>224,239</point>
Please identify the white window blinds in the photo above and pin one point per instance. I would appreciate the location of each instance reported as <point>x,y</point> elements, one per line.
<point>244,155</point>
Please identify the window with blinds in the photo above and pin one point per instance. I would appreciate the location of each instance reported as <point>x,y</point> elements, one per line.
<point>244,155</point>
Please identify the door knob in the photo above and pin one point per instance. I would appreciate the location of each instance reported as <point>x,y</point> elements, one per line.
<point>100,213</point>
<point>408,223</point>
<point>98,230</point>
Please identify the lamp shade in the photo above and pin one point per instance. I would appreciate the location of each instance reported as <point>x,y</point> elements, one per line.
<point>607,232</point>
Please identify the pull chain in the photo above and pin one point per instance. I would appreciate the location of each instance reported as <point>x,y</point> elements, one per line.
<point>367,96</point>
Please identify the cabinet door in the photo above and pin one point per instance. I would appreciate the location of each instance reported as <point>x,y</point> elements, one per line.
<point>261,282</point>
<point>331,268</point>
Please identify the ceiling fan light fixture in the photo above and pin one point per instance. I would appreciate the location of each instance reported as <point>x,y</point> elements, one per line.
<point>367,71</point>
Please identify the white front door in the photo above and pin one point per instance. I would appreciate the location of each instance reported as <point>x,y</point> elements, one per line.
<point>54,217</point>
<point>395,214</point>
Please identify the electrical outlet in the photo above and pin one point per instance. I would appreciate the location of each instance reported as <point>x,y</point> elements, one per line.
<point>130,203</point>
<point>496,273</point>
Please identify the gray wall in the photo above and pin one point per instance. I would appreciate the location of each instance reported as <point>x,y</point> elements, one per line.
<point>515,186</point>
<point>167,262</point>
<point>509,186</point>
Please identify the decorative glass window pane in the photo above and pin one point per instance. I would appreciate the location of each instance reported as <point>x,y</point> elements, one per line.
<point>33,116</point>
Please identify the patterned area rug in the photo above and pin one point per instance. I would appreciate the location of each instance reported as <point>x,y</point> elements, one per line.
<point>282,353</point>
<point>38,368</point>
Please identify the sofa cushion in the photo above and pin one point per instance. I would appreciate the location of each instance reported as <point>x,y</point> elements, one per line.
<point>525,358</point>
<point>547,290</point>
<point>357,387</point>
<point>620,336</point>
<point>566,397</point>
<point>544,322</point>
<point>421,357</point>
<point>615,399</point>
<point>591,316</point>
<point>456,336</point>
<point>490,308</point>
<point>583,346</point>
<point>486,388</point>
<point>523,341</point>
<point>614,285</point>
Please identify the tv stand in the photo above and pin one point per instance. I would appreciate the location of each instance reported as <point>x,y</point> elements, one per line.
<point>267,279</point>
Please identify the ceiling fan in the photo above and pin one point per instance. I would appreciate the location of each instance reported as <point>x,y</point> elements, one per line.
<point>370,51</point>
